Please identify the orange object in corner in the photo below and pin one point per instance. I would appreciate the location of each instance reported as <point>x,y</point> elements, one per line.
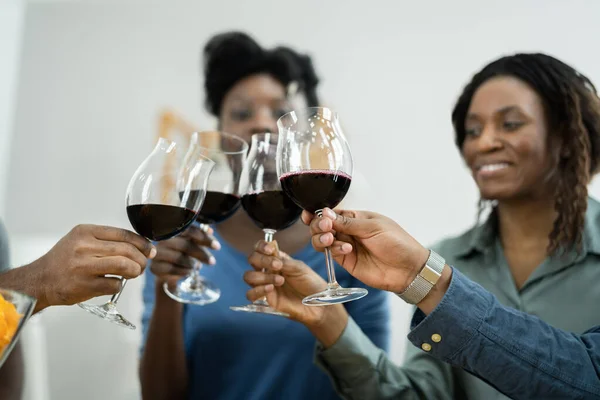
<point>9,321</point>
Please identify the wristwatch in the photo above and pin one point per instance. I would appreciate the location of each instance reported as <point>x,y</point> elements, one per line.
<point>425,280</point>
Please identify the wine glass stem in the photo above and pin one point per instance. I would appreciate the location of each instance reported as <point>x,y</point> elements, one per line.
<point>269,233</point>
<point>332,282</point>
<point>115,297</point>
<point>196,280</point>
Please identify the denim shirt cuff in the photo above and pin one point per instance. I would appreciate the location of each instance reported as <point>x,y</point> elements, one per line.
<point>454,322</point>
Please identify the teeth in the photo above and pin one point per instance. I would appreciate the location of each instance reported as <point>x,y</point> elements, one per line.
<point>493,167</point>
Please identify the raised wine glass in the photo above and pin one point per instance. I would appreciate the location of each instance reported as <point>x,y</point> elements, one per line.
<point>314,165</point>
<point>163,198</point>
<point>268,206</point>
<point>221,202</point>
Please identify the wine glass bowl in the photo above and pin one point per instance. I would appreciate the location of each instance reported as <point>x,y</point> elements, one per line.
<point>314,165</point>
<point>163,198</point>
<point>269,207</point>
<point>221,201</point>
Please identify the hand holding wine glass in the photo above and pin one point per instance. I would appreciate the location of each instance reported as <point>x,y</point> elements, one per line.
<point>314,164</point>
<point>285,282</point>
<point>76,267</point>
<point>175,257</point>
<point>370,246</point>
<point>163,198</point>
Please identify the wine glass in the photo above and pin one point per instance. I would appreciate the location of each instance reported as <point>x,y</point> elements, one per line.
<point>268,206</point>
<point>314,165</point>
<point>163,198</point>
<point>221,202</point>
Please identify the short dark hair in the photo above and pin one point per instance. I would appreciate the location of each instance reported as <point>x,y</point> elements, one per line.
<point>232,56</point>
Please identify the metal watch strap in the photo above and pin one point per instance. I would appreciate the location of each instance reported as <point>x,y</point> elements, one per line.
<point>425,280</point>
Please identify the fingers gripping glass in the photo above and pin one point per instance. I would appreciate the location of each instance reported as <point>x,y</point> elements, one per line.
<point>163,198</point>
<point>222,200</point>
<point>314,165</point>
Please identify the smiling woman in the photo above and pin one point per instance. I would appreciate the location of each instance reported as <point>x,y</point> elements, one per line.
<point>528,128</point>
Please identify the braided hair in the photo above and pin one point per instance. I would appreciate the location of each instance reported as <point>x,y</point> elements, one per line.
<point>232,56</point>
<point>572,109</point>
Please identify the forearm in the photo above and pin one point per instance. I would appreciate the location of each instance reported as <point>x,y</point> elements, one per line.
<point>28,280</point>
<point>361,370</point>
<point>12,375</point>
<point>328,329</point>
<point>519,354</point>
<point>163,369</point>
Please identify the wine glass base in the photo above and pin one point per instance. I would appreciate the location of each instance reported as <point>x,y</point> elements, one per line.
<point>334,296</point>
<point>259,307</point>
<point>109,312</point>
<point>189,291</point>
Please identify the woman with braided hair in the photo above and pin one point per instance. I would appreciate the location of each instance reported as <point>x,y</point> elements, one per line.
<point>211,352</point>
<point>528,128</point>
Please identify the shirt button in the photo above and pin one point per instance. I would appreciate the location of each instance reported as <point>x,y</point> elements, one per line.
<point>426,346</point>
<point>436,338</point>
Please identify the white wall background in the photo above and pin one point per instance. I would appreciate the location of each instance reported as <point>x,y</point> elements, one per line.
<point>93,76</point>
<point>12,13</point>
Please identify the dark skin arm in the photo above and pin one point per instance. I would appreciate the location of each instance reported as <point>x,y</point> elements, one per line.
<point>74,269</point>
<point>71,272</point>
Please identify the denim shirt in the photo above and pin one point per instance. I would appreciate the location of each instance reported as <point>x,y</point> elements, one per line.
<point>562,291</point>
<point>519,354</point>
<point>524,357</point>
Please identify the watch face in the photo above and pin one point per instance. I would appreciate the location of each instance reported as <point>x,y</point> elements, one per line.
<point>430,274</point>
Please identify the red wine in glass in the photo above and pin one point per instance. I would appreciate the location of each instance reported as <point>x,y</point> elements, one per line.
<point>218,207</point>
<point>159,221</point>
<point>314,190</point>
<point>271,209</point>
